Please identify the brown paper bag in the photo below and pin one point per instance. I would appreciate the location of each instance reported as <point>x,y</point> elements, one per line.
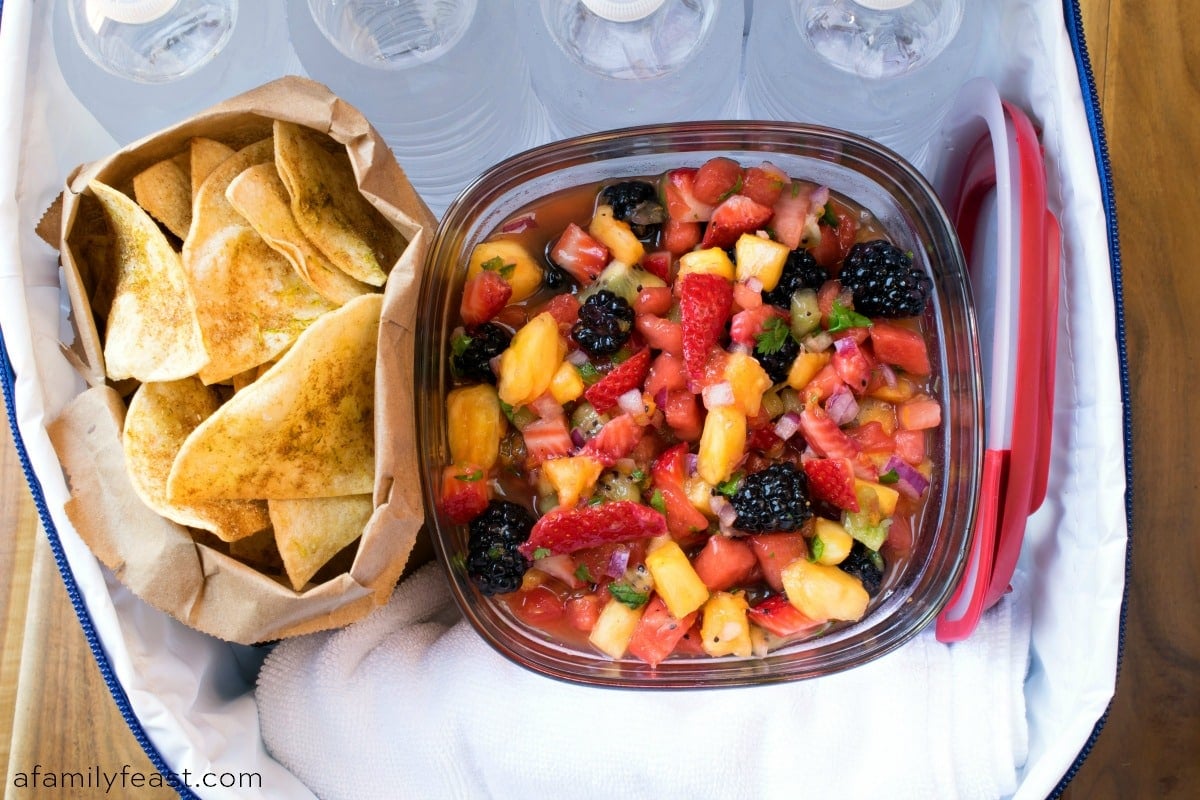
<point>190,577</point>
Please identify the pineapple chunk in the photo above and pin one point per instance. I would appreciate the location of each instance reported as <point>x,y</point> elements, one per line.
<point>830,542</point>
<point>822,592</point>
<point>529,363</point>
<point>712,261</point>
<point>748,380</point>
<point>726,628</point>
<point>566,385</point>
<point>675,580</point>
<point>760,258</point>
<point>699,492</point>
<point>615,628</point>
<point>903,390</point>
<point>885,496</point>
<point>722,444</point>
<point>572,477</point>
<point>805,368</point>
<point>616,235</point>
<point>475,425</point>
<point>525,274</point>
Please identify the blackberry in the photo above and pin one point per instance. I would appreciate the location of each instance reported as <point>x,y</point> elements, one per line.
<point>800,271</point>
<point>472,359</point>
<point>493,562</point>
<point>605,322</point>
<point>884,281</point>
<point>773,499</point>
<point>866,565</point>
<point>778,363</point>
<point>635,202</point>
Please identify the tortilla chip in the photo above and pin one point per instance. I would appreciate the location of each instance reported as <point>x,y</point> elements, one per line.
<point>165,191</point>
<point>304,429</point>
<point>153,333</point>
<point>259,194</point>
<point>211,212</point>
<point>251,303</point>
<point>160,417</point>
<point>205,155</point>
<point>310,532</point>
<point>331,210</point>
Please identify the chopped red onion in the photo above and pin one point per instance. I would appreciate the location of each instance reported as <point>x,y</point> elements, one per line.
<point>577,358</point>
<point>754,283</point>
<point>494,364</point>
<point>889,375</point>
<point>718,394</point>
<point>520,224</point>
<point>546,407</point>
<point>818,342</point>
<point>787,425</point>
<point>738,347</point>
<point>631,402</point>
<point>841,405</point>
<point>845,345</point>
<point>617,562</point>
<point>909,481</point>
<point>625,465</point>
<point>691,460</point>
<point>726,514</point>
<point>660,397</point>
<point>560,566</point>
<point>819,197</point>
<point>577,437</point>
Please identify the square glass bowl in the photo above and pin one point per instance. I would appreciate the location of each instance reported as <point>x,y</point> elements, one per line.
<point>859,170</point>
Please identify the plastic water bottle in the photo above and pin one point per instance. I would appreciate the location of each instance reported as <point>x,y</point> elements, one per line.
<point>601,64</point>
<point>443,81</point>
<point>885,69</point>
<point>139,65</point>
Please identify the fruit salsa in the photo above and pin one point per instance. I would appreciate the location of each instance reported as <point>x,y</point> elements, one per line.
<point>689,414</point>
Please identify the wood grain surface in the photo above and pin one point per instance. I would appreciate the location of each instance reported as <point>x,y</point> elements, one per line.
<point>56,712</point>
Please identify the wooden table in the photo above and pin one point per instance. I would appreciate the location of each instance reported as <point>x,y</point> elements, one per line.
<point>56,711</point>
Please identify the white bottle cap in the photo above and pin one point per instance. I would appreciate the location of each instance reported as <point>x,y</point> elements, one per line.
<point>884,5</point>
<point>623,10</point>
<point>129,12</point>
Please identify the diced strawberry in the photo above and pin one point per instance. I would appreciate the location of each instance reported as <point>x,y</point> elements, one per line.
<point>823,384</point>
<point>546,438</point>
<point>666,373</point>
<point>910,445</point>
<point>832,480</point>
<point>579,254</point>
<point>762,439</point>
<point>735,216</point>
<point>792,215</point>
<point>780,617</point>
<point>899,346</point>
<point>717,179</point>
<point>668,473</point>
<point>657,632</point>
<point>658,263</point>
<point>835,242</point>
<point>775,551</point>
<point>824,436</point>
<point>627,375</point>
<point>764,184</point>
<point>679,197</point>
<point>567,530</point>
<point>584,611</point>
<point>660,333</point>
<point>747,324</point>
<point>725,562</point>
<point>483,297</point>
<point>919,413</point>
<point>872,438</point>
<point>851,364</point>
<point>465,492</point>
<point>683,413</point>
<point>615,440</point>
<point>565,310</point>
<point>704,306</point>
<point>679,237</point>
<point>546,407</point>
<point>653,300</point>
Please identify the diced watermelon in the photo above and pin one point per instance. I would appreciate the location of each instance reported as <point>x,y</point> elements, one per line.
<point>683,414</point>
<point>872,438</point>
<point>775,551</point>
<point>824,436</point>
<point>583,611</point>
<point>725,562</point>
<point>747,324</point>
<point>660,333</point>
<point>565,310</point>
<point>780,617</point>
<point>900,346</point>
<point>680,237</point>
<point>910,445</point>
<point>835,242</point>
<point>823,384</point>
<point>851,364</point>
<point>733,217</point>
<point>658,633</point>
<point>567,530</point>
<point>668,473</point>
<point>764,184</point>
<point>792,215</point>
<point>920,413</point>
<point>666,373</point>
<point>653,300</point>
<point>658,263</point>
<point>483,297</point>
<point>679,197</point>
<point>539,606</point>
<point>717,179</point>
<point>579,254</point>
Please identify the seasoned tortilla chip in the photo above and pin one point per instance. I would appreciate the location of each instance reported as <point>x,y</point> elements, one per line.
<point>160,417</point>
<point>304,429</point>
<point>211,212</point>
<point>331,211</point>
<point>153,333</point>
<point>309,532</point>
<point>250,302</point>
<point>165,191</point>
<point>205,155</point>
<point>260,196</point>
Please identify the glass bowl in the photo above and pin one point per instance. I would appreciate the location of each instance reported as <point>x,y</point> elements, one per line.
<point>908,210</point>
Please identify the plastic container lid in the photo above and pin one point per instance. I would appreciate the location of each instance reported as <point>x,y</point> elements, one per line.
<point>883,5</point>
<point>128,12</point>
<point>623,10</point>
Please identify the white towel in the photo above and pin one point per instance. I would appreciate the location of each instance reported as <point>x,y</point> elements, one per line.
<point>410,702</point>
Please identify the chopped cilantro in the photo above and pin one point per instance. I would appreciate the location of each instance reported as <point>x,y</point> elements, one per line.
<point>795,189</point>
<point>584,574</point>
<point>843,319</point>
<point>596,500</point>
<point>626,595</point>
<point>774,335</point>
<point>496,264</point>
<point>729,488</point>
<point>816,548</point>
<point>459,561</point>
<point>737,187</point>
<point>657,502</point>
<point>470,477</point>
<point>830,217</point>
<point>541,552</point>
<point>587,370</point>
<point>507,410</point>
<point>891,476</point>
<point>638,475</point>
<point>459,344</point>
<point>620,356</point>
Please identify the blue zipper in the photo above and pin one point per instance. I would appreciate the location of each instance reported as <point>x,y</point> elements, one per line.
<point>1083,64</point>
<point>7,380</point>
